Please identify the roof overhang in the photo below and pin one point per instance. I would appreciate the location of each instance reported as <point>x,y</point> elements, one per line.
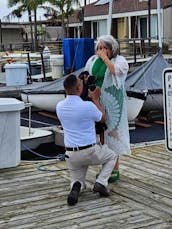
<point>120,15</point>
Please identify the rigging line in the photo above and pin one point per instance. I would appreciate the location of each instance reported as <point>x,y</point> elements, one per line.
<point>38,154</point>
<point>59,157</point>
<point>26,119</point>
<point>74,59</point>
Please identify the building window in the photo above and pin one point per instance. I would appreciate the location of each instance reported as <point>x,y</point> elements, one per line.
<point>144,24</point>
<point>154,26</point>
<point>143,28</point>
<point>95,30</point>
<point>102,27</point>
<point>99,28</point>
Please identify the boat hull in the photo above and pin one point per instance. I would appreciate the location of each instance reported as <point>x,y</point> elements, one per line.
<point>48,102</point>
<point>31,138</point>
<point>134,106</point>
<point>153,102</point>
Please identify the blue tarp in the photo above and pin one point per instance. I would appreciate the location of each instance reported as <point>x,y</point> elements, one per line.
<point>76,53</point>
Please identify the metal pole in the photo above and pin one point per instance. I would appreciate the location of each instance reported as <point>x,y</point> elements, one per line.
<point>159,24</point>
<point>30,119</point>
<point>149,24</point>
<point>109,22</point>
<point>1,34</point>
<point>30,114</point>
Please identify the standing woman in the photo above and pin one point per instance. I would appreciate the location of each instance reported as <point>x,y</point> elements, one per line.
<point>110,71</point>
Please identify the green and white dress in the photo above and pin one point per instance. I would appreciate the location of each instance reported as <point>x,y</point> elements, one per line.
<point>113,99</point>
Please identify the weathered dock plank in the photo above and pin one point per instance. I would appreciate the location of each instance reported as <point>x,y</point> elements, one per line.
<point>31,198</point>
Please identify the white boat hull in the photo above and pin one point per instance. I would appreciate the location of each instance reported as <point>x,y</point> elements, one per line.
<point>31,138</point>
<point>48,102</point>
<point>134,106</point>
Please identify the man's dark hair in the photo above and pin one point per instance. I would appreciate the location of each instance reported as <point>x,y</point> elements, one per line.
<point>70,82</point>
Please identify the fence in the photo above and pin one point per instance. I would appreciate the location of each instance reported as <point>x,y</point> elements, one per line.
<point>131,48</point>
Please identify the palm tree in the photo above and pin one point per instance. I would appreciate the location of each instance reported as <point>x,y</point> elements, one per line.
<point>63,9</point>
<point>29,6</point>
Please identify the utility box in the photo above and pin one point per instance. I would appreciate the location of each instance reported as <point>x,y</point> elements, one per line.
<point>57,64</point>
<point>16,74</point>
<point>10,147</point>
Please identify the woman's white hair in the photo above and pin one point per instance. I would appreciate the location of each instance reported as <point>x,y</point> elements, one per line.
<point>110,42</point>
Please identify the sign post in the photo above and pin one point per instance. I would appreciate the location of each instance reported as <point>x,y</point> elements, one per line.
<point>167,94</point>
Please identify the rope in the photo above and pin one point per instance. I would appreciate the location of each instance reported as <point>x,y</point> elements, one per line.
<point>59,157</point>
<point>44,169</point>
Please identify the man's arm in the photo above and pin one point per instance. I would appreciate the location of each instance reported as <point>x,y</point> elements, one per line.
<point>94,95</point>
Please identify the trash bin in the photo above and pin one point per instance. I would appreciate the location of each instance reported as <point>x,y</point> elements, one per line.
<point>10,132</point>
<point>36,68</point>
<point>57,63</point>
<point>16,74</point>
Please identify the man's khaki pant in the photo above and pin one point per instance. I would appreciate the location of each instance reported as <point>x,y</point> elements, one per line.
<point>79,161</point>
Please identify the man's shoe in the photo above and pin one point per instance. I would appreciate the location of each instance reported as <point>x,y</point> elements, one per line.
<point>101,189</point>
<point>74,193</point>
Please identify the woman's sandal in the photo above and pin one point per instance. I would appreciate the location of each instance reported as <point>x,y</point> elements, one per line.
<point>114,177</point>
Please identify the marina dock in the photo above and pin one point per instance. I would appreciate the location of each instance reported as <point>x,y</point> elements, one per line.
<point>33,195</point>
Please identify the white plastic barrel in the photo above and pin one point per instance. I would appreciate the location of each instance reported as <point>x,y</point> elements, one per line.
<point>16,74</point>
<point>10,147</point>
<point>57,64</point>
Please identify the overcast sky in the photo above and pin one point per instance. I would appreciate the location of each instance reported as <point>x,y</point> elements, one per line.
<point>4,11</point>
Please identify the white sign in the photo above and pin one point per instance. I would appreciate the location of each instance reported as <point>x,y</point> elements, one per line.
<point>167,89</point>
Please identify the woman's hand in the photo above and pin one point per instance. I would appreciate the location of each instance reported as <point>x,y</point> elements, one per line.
<point>102,53</point>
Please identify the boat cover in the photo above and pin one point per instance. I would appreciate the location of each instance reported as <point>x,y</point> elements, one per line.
<point>145,79</point>
<point>148,77</point>
<point>53,87</point>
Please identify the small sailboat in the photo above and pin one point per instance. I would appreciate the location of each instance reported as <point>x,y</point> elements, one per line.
<point>31,138</point>
<point>46,97</point>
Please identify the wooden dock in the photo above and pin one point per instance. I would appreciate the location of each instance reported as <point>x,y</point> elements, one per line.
<point>31,198</point>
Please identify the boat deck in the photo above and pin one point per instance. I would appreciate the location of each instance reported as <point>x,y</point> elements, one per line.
<point>31,198</point>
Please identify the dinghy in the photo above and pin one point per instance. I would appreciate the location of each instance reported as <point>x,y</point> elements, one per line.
<point>48,101</point>
<point>46,97</point>
<point>31,138</point>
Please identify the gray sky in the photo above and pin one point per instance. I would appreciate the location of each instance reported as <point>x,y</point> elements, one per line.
<point>4,11</point>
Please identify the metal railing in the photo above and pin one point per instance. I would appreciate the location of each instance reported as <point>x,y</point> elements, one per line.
<point>130,48</point>
<point>54,46</point>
